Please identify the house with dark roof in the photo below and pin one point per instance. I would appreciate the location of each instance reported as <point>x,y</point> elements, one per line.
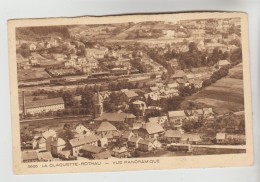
<point>55,145</point>
<point>133,142</point>
<point>176,118</point>
<point>145,145</point>
<point>117,119</point>
<point>173,136</point>
<point>126,135</point>
<point>77,143</point>
<point>44,105</point>
<point>89,150</point>
<point>120,152</point>
<point>150,130</point>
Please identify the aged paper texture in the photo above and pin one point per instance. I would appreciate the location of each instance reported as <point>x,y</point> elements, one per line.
<point>130,92</point>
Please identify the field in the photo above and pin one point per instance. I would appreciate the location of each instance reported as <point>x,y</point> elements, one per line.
<point>223,96</point>
<point>32,74</point>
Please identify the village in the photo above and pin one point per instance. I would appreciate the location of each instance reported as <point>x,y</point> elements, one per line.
<point>129,90</point>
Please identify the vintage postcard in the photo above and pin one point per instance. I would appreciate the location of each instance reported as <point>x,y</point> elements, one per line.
<point>130,92</point>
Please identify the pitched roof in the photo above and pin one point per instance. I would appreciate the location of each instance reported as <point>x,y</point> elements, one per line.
<point>32,155</point>
<point>84,140</point>
<point>81,128</point>
<point>116,117</point>
<point>58,142</point>
<point>44,102</point>
<point>49,133</point>
<point>66,153</point>
<point>130,93</point>
<point>102,155</point>
<point>136,126</point>
<point>126,134</point>
<point>190,137</point>
<point>152,128</point>
<point>134,139</point>
<point>173,134</point>
<point>44,156</point>
<point>92,148</point>
<point>176,114</point>
<point>106,126</point>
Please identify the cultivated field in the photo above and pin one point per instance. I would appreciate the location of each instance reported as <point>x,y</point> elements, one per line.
<point>225,95</point>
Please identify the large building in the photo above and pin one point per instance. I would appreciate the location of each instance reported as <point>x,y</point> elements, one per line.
<point>45,105</point>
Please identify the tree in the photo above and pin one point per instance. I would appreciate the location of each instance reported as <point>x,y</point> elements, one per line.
<point>68,99</point>
<point>87,101</point>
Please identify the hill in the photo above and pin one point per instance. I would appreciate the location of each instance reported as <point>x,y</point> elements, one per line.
<point>226,95</point>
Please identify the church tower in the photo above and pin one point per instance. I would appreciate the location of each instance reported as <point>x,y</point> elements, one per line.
<point>98,106</point>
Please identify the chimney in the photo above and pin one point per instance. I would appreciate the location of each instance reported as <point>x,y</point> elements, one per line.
<point>24,109</point>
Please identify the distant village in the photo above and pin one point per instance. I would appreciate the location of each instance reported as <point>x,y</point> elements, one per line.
<point>122,97</point>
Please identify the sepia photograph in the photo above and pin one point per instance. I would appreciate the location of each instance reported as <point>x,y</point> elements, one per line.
<point>130,92</point>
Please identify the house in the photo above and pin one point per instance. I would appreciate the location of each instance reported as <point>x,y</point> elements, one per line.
<point>103,142</point>
<point>82,130</point>
<point>55,145</point>
<point>197,83</point>
<point>65,154</point>
<point>39,143</point>
<point>133,142</point>
<point>129,94</point>
<point>117,118</point>
<point>139,105</point>
<point>44,156</point>
<point>89,150</point>
<point>33,61</point>
<point>120,152</point>
<point>136,127</point>
<point>223,63</point>
<point>127,135</point>
<point>155,142</point>
<point>150,130</point>
<point>173,136</point>
<point>174,63</point>
<point>160,120</point>
<point>207,112</point>
<point>77,143</point>
<point>32,47</point>
<point>145,145</point>
<point>197,113</point>
<point>176,118</point>
<point>102,155</point>
<point>29,156</point>
<point>190,139</point>
<point>106,128</point>
<point>44,105</point>
<point>220,138</point>
<point>49,133</point>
